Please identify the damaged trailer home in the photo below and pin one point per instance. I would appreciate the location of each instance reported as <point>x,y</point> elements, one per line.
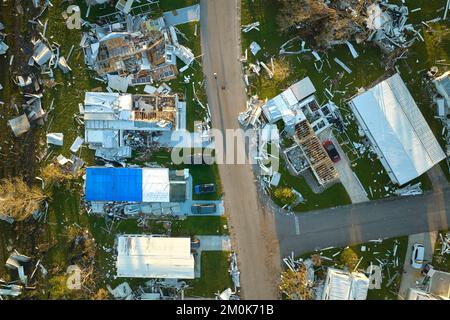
<point>304,119</point>
<point>108,117</point>
<point>148,256</point>
<point>343,285</point>
<point>146,50</point>
<point>131,191</point>
<point>397,130</point>
<point>442,84</point>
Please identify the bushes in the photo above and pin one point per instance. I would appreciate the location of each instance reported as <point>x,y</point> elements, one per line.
<point>284,195</point>
<point>349,259</point>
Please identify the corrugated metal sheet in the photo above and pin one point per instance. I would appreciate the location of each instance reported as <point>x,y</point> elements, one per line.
<point>114,184</point>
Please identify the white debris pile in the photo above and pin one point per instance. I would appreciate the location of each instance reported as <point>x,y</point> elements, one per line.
<point>17,261</point>
<point>445,241</point>
<point>410,190</point>
<point>290,47</point>
<point>388,25</point>
<point>234,271</point>
<point>250,117</point>
<point>55,139</point>
<point>166,289</point>
<point>227,294</point>
<point>249,27</point>
<point>121,292</point>
<point>3,46</point>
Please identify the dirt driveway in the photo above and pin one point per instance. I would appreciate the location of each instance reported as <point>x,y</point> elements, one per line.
<point>252,228</point>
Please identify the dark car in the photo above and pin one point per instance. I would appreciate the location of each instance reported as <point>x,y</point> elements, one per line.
<point>205,188</point>
<point>331,150</point>
<point>203,208</point>
<point>195,244</point>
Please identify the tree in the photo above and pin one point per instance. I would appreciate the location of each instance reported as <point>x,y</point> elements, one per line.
<point>101,294</point>
<point>309,14</point>
<point>294,284</point>
<point>58,288</point>
<point>53,174</point>
<point>324,25</point>
<point>349,258</point>
<point>284,195</point>
<point>18,200</point>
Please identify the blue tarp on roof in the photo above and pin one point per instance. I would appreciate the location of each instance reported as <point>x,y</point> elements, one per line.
<point>114,184</point>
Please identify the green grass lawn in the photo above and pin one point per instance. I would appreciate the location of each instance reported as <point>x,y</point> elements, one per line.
<point>370,255</point>
<point>214,275</point>
<point>334,196</point>
<point>200,226</point>
<point>367,69</point>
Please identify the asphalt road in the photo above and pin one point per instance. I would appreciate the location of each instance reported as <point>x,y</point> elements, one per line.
<point>347,225</point>
<point>252,228</point>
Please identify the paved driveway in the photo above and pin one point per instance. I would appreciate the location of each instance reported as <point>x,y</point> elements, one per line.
<point>348,178</point>
<point>410,275</point>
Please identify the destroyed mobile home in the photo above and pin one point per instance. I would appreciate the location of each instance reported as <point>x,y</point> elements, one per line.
<point>132,191</point>
<point>304,119</point>
<point>111,120</point>
<point>138,50</point>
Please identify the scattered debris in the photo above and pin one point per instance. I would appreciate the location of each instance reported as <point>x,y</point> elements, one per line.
<point>249,27</point>
<point>254,48</point>
<point>19,125</point>
<point>55,139</point>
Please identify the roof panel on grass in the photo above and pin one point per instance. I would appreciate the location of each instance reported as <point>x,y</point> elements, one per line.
<point>114,184</point>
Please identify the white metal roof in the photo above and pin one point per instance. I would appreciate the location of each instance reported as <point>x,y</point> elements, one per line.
<point>155,185</point>
<point>341,285</point>
<point>285,105</point>
<point>105,101</point>
<point>303,89</point>
<point>143,256</point>
<point>394,124</point>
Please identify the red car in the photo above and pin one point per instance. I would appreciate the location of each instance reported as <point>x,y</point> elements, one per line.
<point>331,150</point>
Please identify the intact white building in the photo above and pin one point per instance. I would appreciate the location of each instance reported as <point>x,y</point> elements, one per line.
<point>397,130</point>
<point>342,285</point>
<point>146,256</point>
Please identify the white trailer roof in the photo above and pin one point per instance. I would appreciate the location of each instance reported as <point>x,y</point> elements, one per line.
<point>393,122</point>
<point>155,185</point>
<point>143,256</point>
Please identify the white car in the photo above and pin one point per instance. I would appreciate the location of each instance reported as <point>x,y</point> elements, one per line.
<point>418,253</point>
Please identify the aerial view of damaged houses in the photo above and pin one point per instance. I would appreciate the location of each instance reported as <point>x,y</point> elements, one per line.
<point>224,150</point>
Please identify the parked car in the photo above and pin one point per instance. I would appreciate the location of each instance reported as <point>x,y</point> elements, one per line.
<point>331,150</point>
<point>418,253</point>
<point>205,188</point>
<point>195,244</point>
<point>203,208</point>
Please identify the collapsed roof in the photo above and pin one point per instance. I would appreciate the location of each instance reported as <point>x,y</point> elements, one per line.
<point>146,49</point>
